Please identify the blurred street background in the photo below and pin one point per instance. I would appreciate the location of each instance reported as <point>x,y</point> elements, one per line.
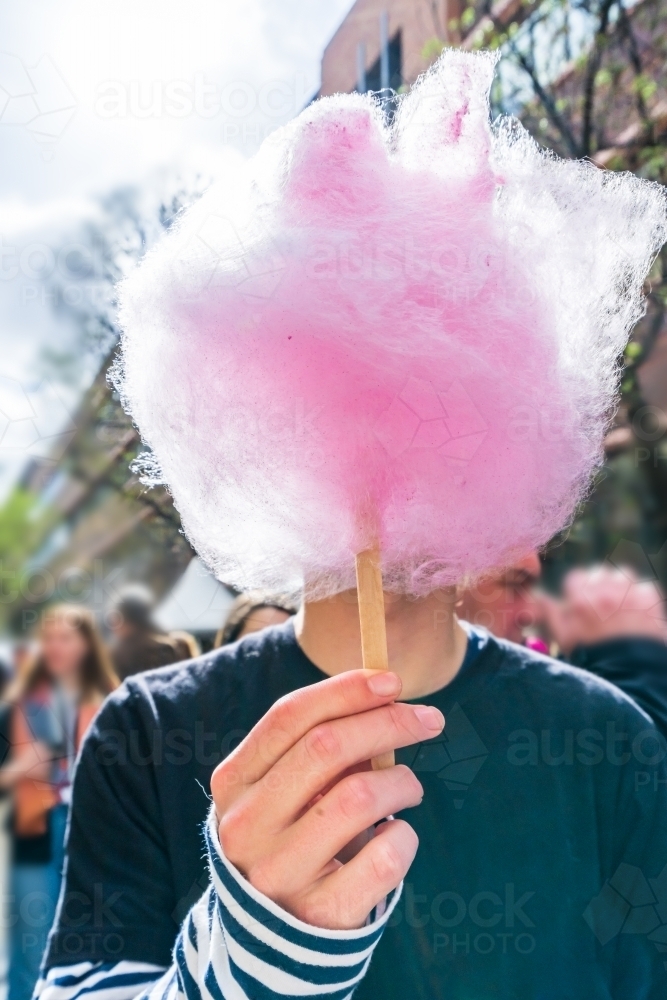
<point>113,117</point>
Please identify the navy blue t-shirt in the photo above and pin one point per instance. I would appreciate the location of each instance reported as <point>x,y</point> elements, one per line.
<point>636,664</point>
<point>542,867</point>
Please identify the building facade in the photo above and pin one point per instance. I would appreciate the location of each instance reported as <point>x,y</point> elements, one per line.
<point>353,58</point>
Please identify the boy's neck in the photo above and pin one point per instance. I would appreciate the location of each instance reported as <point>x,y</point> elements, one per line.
<point>425,642</point>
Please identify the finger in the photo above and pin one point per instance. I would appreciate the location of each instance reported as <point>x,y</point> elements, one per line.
<point>328,750</point>
<point>345,898</point>
<point>292,717</point>
<point>352,806</point>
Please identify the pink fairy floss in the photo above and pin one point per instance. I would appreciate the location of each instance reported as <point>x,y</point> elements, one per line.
<point>403,333</point>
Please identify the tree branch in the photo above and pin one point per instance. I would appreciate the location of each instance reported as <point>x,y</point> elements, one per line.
<point>547,101</point>
<point>592,67</point>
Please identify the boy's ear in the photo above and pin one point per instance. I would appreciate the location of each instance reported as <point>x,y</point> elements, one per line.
<point>339,161</point>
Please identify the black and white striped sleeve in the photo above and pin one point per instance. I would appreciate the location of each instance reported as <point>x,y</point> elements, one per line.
<point>235,944</point>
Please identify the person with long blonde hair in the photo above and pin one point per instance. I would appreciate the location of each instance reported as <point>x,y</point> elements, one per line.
<point>52,702</point>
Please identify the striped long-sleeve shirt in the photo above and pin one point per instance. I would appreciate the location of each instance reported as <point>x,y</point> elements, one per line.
<point>235,944</point>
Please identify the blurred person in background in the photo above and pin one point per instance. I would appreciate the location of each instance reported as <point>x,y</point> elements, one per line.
<point>139,643</point>
<point>52,702</point>
<point>185,644</point>
<point>613,624</point>
<point>606,621</point>
<point>253,612</point>
<point>6,674</point>
<point>23,655</point>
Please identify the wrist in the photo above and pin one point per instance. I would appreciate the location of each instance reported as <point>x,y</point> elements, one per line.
<point>235,891</point>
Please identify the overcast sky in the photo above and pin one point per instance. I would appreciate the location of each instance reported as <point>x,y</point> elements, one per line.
<point>95,94</point>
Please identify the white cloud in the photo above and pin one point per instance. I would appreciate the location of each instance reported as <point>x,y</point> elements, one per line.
<point>195,82</point>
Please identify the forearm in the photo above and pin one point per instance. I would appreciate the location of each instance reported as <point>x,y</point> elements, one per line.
<point>234,942</point>
<point>33,763</point>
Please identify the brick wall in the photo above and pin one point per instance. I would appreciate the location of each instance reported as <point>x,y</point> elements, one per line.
<point>417,20</point>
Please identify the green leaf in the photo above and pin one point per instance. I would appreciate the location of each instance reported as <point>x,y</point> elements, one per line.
<point>468,17</point>
<point>432,49</point>
<point>633,350</point>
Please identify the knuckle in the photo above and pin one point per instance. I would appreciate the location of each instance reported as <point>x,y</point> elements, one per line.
<point>387,863</point>
<point>233,830</point>
<point>226,835</point>
<point>356,796</point>
<point>400,719</point>
<point>285,712</point>
<point>220,782</point>
<point>405,777</point>
<point>333,910</point>
<point>262,877</point>
<point>410,837</point>
<point>317,910</point>
<point>322,744</point>
<point>349,687</point>
<point>310,912</point>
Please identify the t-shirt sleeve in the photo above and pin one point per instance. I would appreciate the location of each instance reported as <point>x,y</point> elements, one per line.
<point>117,896</point>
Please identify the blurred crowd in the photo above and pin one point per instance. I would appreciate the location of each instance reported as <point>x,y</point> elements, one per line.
<point>605,620</point>
<point>50,694</point>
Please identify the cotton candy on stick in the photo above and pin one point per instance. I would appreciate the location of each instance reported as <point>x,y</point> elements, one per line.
<point>399,337</point>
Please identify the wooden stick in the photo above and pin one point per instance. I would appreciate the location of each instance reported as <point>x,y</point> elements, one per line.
<point>373,629</point>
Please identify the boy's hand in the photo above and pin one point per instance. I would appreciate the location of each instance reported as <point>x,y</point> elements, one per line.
<point>299,790</point>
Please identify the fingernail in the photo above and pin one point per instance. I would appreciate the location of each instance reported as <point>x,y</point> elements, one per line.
<point>430,717</point>
<point>384,683</point>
